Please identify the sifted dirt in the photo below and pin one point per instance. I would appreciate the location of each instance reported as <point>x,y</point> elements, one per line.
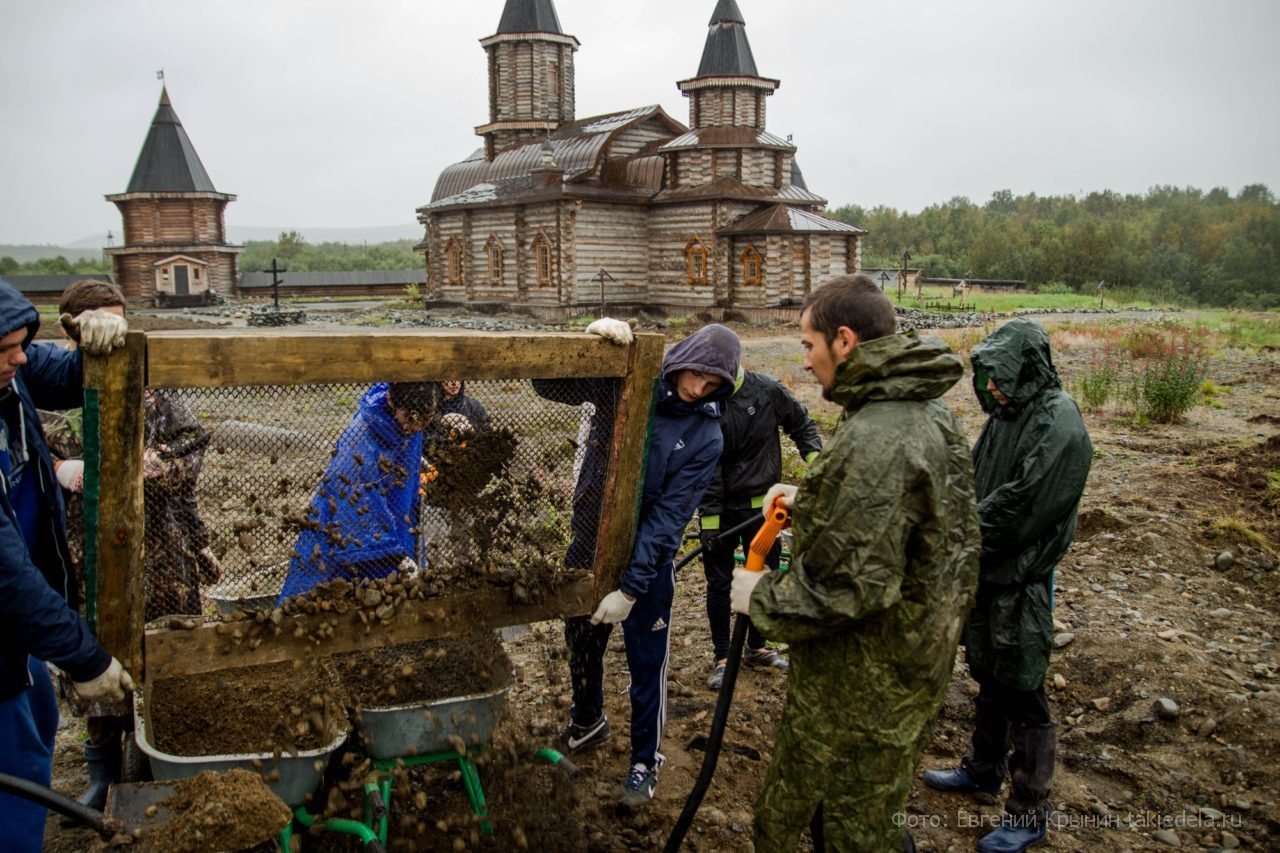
<point>1169,592</point>
<point>213,812</point>
<point>423,671</point>
<point>272,709</point>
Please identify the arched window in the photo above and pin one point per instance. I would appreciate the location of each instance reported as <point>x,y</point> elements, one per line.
<point>695,253</point>
<point>752,266</point>
<point>493,249</point>
<point>453,265</point>
<point>542,258</point>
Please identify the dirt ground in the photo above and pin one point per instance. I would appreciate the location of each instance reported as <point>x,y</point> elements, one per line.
<point>1164,682</point>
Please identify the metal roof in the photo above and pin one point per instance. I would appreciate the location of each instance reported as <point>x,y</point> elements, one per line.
<point>336,278</point>
<point>727,50</point>
<point>732,188</point>
<point>168,161</point>
<point>579,148</point>
<point>727,137</point>
<point>529,16</point>
<point>782,218</point>
<point>51,283</point>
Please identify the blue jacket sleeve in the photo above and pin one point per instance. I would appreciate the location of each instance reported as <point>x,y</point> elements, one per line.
<point>54,376</point>
<point>36,620</point>
<point>664,517</point>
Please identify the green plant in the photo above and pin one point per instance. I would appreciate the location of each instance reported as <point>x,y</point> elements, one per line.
<point>1169,387</point>
<point>411,292</point>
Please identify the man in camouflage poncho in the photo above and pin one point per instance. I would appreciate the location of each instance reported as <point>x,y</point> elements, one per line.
<point>883,566</point>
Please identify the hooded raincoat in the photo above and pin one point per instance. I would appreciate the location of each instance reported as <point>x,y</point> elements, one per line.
<point>361,521</point>
<point>884,561</point>
<point>1031,463</point>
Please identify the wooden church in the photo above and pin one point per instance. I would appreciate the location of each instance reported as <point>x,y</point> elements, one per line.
<point>175,248</point>
<point>556,215</point>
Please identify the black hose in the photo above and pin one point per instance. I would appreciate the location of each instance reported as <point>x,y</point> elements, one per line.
<point>684,561</point>
<point>718,721</point>
<point>51,799</point>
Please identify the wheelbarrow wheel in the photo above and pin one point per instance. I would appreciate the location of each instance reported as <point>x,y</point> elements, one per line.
<point>135,766</point>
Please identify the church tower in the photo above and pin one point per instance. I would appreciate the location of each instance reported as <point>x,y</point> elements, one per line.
<point>728,92</point>
<point>175,249</point>
<point>531,82</point>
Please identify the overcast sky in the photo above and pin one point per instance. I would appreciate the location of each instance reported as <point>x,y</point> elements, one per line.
<point>319,113</point>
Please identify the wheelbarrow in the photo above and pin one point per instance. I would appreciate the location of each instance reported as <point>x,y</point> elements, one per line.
<point>135,810</point>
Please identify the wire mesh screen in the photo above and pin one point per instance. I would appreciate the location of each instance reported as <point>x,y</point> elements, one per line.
<point>256,494</point>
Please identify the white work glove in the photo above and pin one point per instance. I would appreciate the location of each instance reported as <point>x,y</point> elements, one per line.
<point>458,424</point>
<point>782,490</point>
<point>111,686</point>
<point>744,583</point>
<point>70,474</point>
<point>98,331</point>
<point>614,608</point>
<point>152,465</point>
<point>408,569</point>
<point>612,330</point>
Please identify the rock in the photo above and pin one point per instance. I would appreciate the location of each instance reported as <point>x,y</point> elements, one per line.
<point>1208,727</point>
<point>1166,709</point>
<point>1102,703</point>
<point>1059,683</point>
<point>1229,841</point>
<point>1167,837</point>
<point>1064,639</point>
<point>1211,814</point>
<point>1224,561</point>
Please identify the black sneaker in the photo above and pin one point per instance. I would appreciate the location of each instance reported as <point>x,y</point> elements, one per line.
<point>765,658</point>
<point>638,787</point>
<point>716,679</point>
<point>574,737</point>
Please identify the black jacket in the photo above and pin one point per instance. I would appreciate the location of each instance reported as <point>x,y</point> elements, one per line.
<point>752,458</point>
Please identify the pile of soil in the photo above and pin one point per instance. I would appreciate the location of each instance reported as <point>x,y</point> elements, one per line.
<point>424,671</point>
<point>214,812</point>
<point>274,709</point>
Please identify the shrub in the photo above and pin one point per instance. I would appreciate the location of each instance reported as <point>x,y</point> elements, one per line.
<point>1055,287</point>
<point>1169,387</point>
<point>1096,387</point>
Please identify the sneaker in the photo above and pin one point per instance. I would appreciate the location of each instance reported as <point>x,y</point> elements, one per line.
<point>638,787</point>
<point>958,781</point>
<point>574,737</point>
<point>765,658</point>
<point>1012,837</point>
<point>716,680</point>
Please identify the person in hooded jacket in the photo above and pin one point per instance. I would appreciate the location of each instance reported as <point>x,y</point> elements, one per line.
<point>759,407</point>
<point>684,445</point>
<point>884,559</point>
<point>459,403</point>
<point>1031,464</point>
<point>363,516</point>
<point>38,594</point>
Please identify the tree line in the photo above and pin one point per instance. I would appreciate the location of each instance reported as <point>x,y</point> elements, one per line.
<point>1177,244</point>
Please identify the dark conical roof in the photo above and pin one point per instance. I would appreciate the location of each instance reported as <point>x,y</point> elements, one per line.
<point>727,12</point>
<point>727,50</point>
<point>168,162</point>
<point>529,16</point>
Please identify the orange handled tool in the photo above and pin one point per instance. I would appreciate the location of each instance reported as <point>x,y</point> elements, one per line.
<point>775,522</point>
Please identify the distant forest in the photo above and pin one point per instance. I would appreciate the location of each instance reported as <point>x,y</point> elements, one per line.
<point>1184,245</point>
<point>1174,244</point>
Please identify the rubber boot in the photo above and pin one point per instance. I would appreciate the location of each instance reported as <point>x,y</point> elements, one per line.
<point>104,771</point>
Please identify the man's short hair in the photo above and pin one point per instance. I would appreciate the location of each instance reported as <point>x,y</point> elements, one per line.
<point>422,398</point>
<point>88,294</point>
<point>853,301</point>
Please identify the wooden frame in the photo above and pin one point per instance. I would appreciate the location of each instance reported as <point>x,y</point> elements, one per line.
<point>232,358</point>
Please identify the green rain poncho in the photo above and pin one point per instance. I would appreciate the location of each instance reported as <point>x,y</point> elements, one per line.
<point>884,561</point>
<point>1030,465</point>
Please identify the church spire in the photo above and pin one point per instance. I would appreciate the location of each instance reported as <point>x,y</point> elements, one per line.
<point>529,16</point>
<point>168,161</point>
<point>727,50</point>
<point>728,91</point>
<point>531,80</point>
